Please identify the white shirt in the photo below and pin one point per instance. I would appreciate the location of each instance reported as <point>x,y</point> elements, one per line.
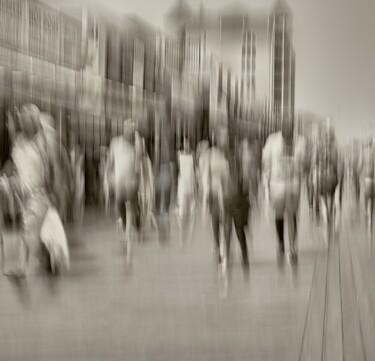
<point>217,171</point>
<point>280,167</point>
<point>122,160</point>
<point>186,177</point>
<point>29,165</point>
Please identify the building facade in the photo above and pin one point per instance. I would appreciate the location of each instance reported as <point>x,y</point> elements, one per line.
<point>255,47</point>
<point>282,70</point>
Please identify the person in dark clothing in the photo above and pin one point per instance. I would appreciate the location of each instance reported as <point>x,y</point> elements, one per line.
<point>228,199</point>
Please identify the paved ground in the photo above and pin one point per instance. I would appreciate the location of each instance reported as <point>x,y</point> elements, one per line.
<point>167,307</point>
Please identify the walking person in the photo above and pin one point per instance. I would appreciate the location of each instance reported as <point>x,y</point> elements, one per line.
<point>355,171</point>
<point>368,171</point>
<point>163,191</point>
<point>329,178</point>
<point>59,170</point>
<point>283,158</point>
<point>77,166</point>
<point>29,183</point>
<point>146,189</point>
<point>202,158</point>
<point>249,164</point>
<point>123,165</point>
<point>186,192</point>
<point>217,176</point>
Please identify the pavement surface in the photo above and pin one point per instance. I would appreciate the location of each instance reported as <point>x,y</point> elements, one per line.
<point>167,306</point>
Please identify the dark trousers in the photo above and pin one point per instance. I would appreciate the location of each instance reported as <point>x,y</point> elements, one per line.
<point>280,231</point>
<point>357,187</point>
<point>121,206</point>
<point>234,213</point>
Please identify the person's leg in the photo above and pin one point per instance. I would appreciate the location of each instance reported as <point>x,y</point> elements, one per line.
<point>292,228</point>
<point>191,210</point>
<point>240,231</point>
<point>357,188</point>
<point>215,218</point>
<point>121,208</point>
<point>225,251</point>
<point>368,207</point>
<point>331,212</point>
<point>323,212</point>
<point>33,215</point>
<point>130,207</point>
<point>227,225</point>
<point>182,217</point>
<point>309,191</point>
<point>216,233</point>
<point>280,233</point>
<point>2,253</point>
<point>338,209</point>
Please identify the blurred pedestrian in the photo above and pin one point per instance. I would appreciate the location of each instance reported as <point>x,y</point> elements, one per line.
<point>368,170</point>
<point>249,177</point>
<point>217,175</point>
<point>77,166</point>
<point>163,188</point>
<point>29,182</point>
<point>329,177</point>
<point>283,160</point>
<point>59,171</point>
<point>202,159</point>
<point>123,164</point>
<point>186,192</point>
<point>146,192</point>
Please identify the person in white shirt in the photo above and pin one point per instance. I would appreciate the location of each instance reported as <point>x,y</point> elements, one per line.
<point>216,176</point>
<point>283,159</point>
<point>29,182</point>
<point>58,164</point>
<point>186,191</point>
<point>122,165</point>
<point>367,168</point>
<point>203,149</point>
<point>78,189</point>
<point>329,179</point>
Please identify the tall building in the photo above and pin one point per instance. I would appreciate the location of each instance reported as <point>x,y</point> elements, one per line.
<point>253,46</point>
<point>282,64</point>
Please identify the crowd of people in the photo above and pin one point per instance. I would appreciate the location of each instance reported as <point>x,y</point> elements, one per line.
<point>47,184</point>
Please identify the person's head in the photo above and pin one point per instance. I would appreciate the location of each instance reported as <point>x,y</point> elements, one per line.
<point>30,120</point>
<point>222,140</point>
<point>186,145</point>
<point>287,127</point>
<point>47,121</point>
<point>129,130</point>
<point>137,139</point>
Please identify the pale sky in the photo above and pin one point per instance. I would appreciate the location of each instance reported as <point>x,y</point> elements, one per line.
<point>335,54</point>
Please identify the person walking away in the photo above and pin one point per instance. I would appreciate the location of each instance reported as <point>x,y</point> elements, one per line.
<point>217,176</point>
<point>122,164</point>
<point>202,158</point>
<point>59,171</point>
<point>250,171</point>
<point>146,189</point>
<point>368,169</point>
<point>29,182</point>
<point>77,165</point>
<point>283,158</point>
<point>163,189</point>
<point>186,192</point>
<point>327,163</point>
